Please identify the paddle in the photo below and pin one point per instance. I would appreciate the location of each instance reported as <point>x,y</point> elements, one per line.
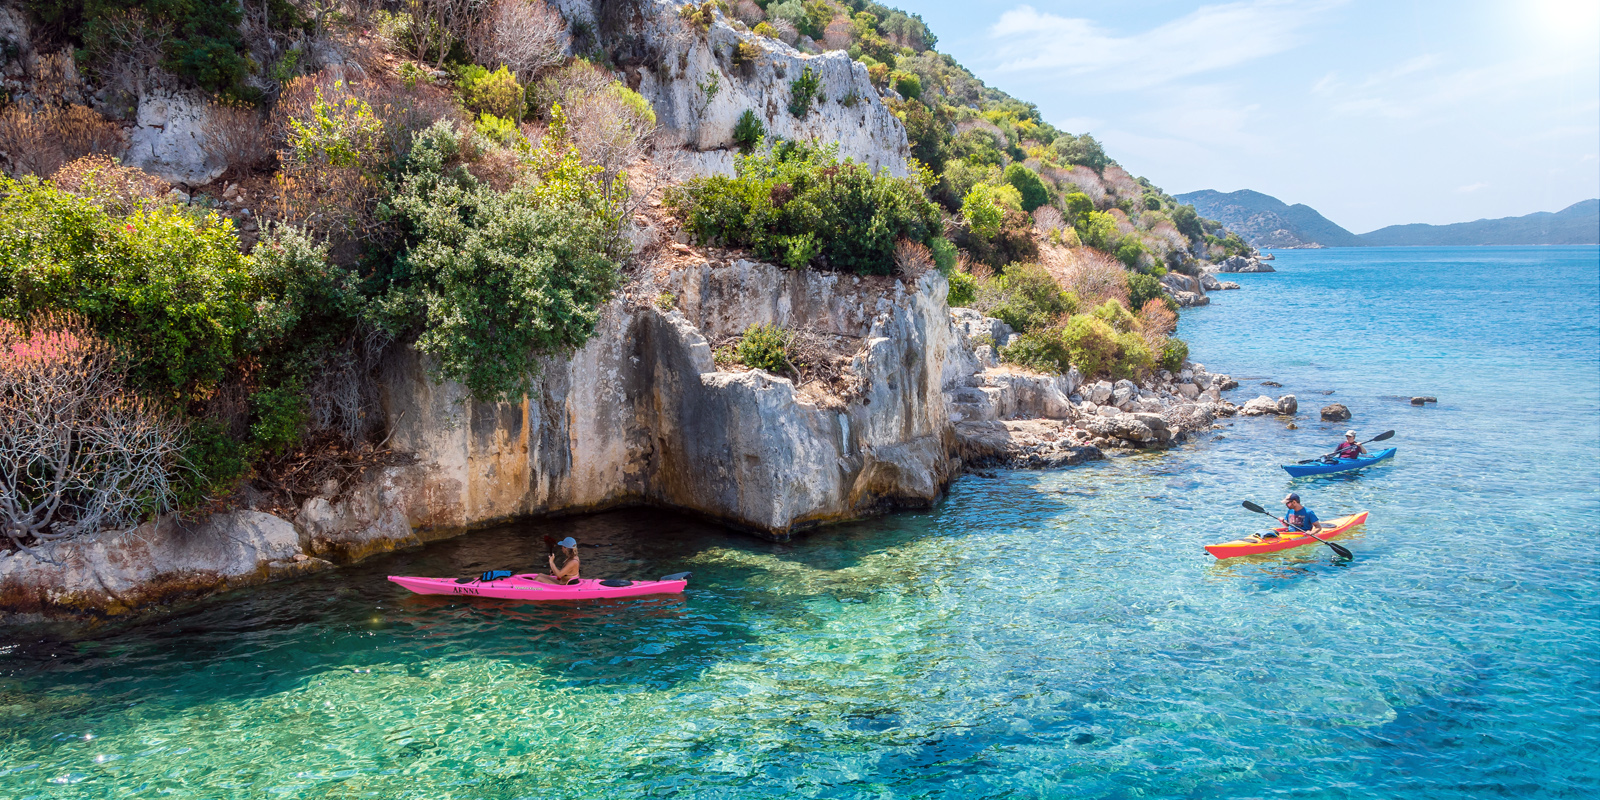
<point>1336,548</point>
<point>1382,437</point>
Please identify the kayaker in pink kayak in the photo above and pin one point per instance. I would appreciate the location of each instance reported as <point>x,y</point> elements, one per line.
<point>1349,448</point>
<point>568,571</point>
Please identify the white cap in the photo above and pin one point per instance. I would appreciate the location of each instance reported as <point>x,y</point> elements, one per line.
<point>1349,433</point>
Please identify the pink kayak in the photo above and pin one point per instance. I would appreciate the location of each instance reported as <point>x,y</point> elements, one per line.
<point>526,587</point>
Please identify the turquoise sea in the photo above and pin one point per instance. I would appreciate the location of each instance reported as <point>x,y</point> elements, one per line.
<point>1038,635</point>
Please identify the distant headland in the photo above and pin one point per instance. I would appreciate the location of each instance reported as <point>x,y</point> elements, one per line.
<point>1267,222</point>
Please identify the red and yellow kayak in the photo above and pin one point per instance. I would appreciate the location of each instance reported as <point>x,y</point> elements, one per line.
<point>1285,541</point>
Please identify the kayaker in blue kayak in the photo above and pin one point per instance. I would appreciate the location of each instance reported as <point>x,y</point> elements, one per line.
<point>1349,448</point>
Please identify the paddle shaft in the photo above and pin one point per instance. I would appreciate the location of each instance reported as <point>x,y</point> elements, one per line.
<point>1382,437</point>
<point>1313,534</point>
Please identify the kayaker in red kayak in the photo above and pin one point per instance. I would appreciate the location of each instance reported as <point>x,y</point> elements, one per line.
<point>568,571</point>
<point>1349,448</point>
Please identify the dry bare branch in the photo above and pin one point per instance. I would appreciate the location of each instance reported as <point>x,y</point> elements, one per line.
<point>77,452</point>
<point>526,36</point>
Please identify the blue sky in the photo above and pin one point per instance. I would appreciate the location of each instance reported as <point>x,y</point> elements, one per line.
<point>1374,113</point>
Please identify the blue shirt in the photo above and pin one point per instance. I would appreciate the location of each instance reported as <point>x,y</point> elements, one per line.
<point>1300,520</point>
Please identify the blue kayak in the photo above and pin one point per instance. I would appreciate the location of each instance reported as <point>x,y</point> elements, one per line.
<point>1338,464</point>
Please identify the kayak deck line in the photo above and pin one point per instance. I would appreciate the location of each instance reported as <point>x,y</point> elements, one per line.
<point>528,587</point>
<point>1338,465</point>
<point>1287,541</point>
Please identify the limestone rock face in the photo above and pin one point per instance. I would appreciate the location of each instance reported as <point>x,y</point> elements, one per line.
<point>642,415</point>
<point>168,138</point>
<point>699,86</point>
<point>113,572</point>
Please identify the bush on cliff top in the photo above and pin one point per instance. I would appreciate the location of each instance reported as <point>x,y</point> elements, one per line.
<point>799,204</point>
<point>491,281</point>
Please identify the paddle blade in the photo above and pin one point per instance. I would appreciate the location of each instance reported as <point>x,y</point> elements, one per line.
<point>1382,437</point>
<point>1340,550</point>
<point>1253,507</point>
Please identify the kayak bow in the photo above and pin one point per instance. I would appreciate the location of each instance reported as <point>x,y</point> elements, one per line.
<point>1285,541</point>
<point>1338,465</point>
<point>527,587</point>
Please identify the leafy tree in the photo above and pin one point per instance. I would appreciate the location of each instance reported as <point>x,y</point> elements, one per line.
<point>983,212</point>
<point>1027,182</point>
<point>928,134</point>
<point>493,281</point>
<point>1097,229</point>
<point>1082,150</point>
<point>1142,289</point>
<point>1187,222</point>
<point>907,84</point>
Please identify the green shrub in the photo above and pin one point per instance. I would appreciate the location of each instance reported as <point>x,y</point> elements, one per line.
<point>764,347</point>
<point>1142,289</point>
<point>1091,344</point>
<point>493,281</point>
<point>1133,356</point>
<point>1025,297</point>
<point>1114,313</point>
<point>495,93</point>
<point>1173,353</point>
<point>765,28</point>
<point>166,285</point>
<point>1152,202</point>
<point>1098,229</point>
<point>802,91</point>
<point>748,132</point>
<point>983,212</point>
<point>497,129</point>
<point>800,203</point>
<point>1130,250</point>
<point>1041,350</point>
<point>343,132</point>
<point>944,254</point>
<point>1077,205</point>
<point>928,133</point>
<point>746,53</point>
<point>907,84</point>
<point>963,290</point>
<point>280,417</point>
<point>666,301</point>
<point>1028,185</point>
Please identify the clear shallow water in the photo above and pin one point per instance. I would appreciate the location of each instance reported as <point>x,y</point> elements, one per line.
<point>1056,634</point>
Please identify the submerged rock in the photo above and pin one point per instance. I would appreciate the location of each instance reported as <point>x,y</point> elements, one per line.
<point>1335,412</point>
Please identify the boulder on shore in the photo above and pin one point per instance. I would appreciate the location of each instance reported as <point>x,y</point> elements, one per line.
<point>1335,412</point>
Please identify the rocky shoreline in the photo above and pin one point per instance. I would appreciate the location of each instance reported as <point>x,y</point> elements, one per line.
<point>641,416</point>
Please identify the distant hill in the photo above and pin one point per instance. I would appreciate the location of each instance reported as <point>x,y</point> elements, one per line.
<point>1578,223</point>
<point>1265,221</point>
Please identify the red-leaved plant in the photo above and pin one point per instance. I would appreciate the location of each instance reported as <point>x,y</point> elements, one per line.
<point>78,452</point>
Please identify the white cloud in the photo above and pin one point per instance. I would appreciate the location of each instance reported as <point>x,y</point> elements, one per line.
<point>1472,187</point>
<point>1210,38</point>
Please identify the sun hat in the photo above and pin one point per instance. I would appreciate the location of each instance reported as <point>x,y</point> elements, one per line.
<point>568,542</point>
<point>1351,434</point>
